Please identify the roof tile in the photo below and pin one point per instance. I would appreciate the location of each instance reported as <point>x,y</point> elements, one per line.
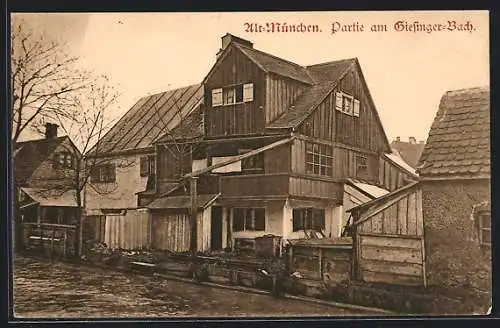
<point>459,138</point>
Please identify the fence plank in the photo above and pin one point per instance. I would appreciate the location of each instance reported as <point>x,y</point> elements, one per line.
<point>402,213</point>
<point>391,254</point>
<point>410,269</point>
<point>412,218</point>
<point>395,242</point>
<point>390,278</point>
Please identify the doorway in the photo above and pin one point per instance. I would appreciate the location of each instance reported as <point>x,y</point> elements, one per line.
<point>216,228</point>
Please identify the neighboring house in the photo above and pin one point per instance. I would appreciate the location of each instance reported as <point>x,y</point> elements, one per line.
<point>409,151</point>
<point>272,146</point>
<point>43,179</point>
<point>455,182</point>
<point>123,162</point>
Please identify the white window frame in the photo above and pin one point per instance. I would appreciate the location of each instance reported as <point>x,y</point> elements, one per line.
<point>321,160</point>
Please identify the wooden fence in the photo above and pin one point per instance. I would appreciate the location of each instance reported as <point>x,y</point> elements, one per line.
<point>388,239</point>
<point>327,262</point>
<point>56,239</point>
<point>129,231</point>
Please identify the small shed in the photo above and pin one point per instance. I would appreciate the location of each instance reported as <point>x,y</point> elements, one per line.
<point>388,238</point>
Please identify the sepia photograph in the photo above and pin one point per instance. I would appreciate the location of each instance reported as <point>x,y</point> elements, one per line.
<point>250,164</point>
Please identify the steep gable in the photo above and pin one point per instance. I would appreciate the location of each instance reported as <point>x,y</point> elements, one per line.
<point>29,155</point>
<point>459,139</point>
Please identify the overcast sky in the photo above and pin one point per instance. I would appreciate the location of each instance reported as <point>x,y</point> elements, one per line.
<point>407,72</point>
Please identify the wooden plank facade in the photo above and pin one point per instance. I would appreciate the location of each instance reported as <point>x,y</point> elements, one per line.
<point>389,239</point>
<point>241,118</point>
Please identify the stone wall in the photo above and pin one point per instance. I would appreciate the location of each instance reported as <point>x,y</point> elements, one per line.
<point>455,261</point>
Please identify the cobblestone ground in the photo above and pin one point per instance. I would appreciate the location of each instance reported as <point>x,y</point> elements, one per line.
<point>44,289</point>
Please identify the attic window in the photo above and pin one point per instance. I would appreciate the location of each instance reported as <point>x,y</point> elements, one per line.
<point>64,160</point>
<point>231,95</point>
<point>347,104</point>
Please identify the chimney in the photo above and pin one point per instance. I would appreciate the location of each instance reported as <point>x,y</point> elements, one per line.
<point>412,140</point>
<point>398,139</point>
<point>229,38</point>
<point>51,130</point>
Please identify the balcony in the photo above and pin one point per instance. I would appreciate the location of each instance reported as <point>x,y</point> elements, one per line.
<point>255,186</point>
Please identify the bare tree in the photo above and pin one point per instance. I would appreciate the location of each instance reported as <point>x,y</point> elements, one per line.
<point>44,79</point>
<point>86,127</point>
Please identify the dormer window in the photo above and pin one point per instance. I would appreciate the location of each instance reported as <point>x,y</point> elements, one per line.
<point>231,95</point>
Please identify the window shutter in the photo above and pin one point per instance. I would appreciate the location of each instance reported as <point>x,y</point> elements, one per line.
<point>356,107</point>
<point>248,92</point>
<point>217,97</point>
<point>338,101</point>
<point>144,166</point>
<point>95,174</point>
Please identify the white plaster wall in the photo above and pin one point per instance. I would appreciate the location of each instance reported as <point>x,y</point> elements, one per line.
<point>120,194</point>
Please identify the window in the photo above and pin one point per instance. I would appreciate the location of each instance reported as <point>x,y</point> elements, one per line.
<point>249,219</point>
<point>148,165</point>
<point>308,219</point>
<point>484,223</point>
<point>229,96</point>
<point>362,166</point>
<point>103,173</point>
<point>347,104</point>
<point>64,160</point>
<point>319,159</point>
<point>216,97</point>
<point>232,95</point>
<point>253,163</point>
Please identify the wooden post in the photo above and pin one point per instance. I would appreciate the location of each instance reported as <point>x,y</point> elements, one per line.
<point>193,210</point>
<point>52,242</point>
<point>65,241</point>
<point>80,235</point>
<point>320,262</point>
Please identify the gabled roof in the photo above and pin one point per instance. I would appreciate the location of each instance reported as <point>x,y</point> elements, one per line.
<point>29,155</point>
<point>276,65</point>
<point>459,139</point>
<point>326,77</point>
<point>409,152</point>
<point>191,127</point>
<point>149,118</point>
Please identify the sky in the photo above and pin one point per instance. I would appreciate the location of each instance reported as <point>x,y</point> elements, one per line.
<point>407,72</point>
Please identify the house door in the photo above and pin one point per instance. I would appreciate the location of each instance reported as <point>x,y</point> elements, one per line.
<point>216,228</point>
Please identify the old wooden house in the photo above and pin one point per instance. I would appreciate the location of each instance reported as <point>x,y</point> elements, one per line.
<point>456,190</point>
<point>43,188</point>
<point>123,164</point>
<point>272,146</point>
